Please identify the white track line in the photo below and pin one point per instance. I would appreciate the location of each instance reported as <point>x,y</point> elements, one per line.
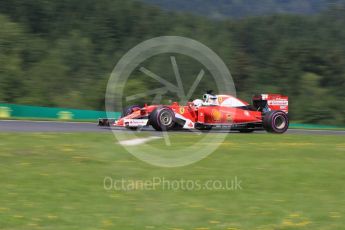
<point>137,141</point>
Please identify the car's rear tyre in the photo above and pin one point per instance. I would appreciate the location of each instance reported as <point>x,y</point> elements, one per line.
<point>162,119</point>
<point>129,109</point>
<point>276,122</point>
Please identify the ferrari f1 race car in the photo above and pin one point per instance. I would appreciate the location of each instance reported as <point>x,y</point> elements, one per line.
<point>267,112</point>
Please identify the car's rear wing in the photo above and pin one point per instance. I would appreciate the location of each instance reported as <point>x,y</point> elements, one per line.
<point>268,102</point>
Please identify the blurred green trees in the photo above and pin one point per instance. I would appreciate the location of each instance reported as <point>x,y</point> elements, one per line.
<point>61,53</point>
<point>221,9</point>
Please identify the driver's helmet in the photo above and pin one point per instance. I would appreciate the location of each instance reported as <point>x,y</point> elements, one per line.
<point>210,99</point>
<point>197,102</point>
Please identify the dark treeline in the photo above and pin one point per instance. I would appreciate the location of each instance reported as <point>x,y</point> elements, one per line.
<point>61,53</point>
<point>221,9</point>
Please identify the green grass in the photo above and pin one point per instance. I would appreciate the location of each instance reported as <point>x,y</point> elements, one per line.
<point>55,181</point>
<point>315,126</point>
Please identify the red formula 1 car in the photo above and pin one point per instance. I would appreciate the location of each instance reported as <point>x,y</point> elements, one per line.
<point>268,112</point>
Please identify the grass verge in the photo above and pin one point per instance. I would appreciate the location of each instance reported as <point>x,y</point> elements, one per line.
<point>55,181</point>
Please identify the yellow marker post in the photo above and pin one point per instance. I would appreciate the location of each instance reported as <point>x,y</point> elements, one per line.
<point>65,115</point>
<point>5,112</point>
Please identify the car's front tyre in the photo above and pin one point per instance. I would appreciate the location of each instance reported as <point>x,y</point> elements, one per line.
<point>162,119</point>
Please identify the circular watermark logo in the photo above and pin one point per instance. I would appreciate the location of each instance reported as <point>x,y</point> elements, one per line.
<point>167,149</point>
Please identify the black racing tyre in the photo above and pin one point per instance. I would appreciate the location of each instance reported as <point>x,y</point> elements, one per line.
<point>276,122</point>
<point>162,119</point>
<point>129,109</point>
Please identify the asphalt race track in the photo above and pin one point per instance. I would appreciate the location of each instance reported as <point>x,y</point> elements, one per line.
<point>49,126</point>
<point>54,126</point>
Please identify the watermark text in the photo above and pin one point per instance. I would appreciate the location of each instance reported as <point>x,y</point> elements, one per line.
<point>164,184</point>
